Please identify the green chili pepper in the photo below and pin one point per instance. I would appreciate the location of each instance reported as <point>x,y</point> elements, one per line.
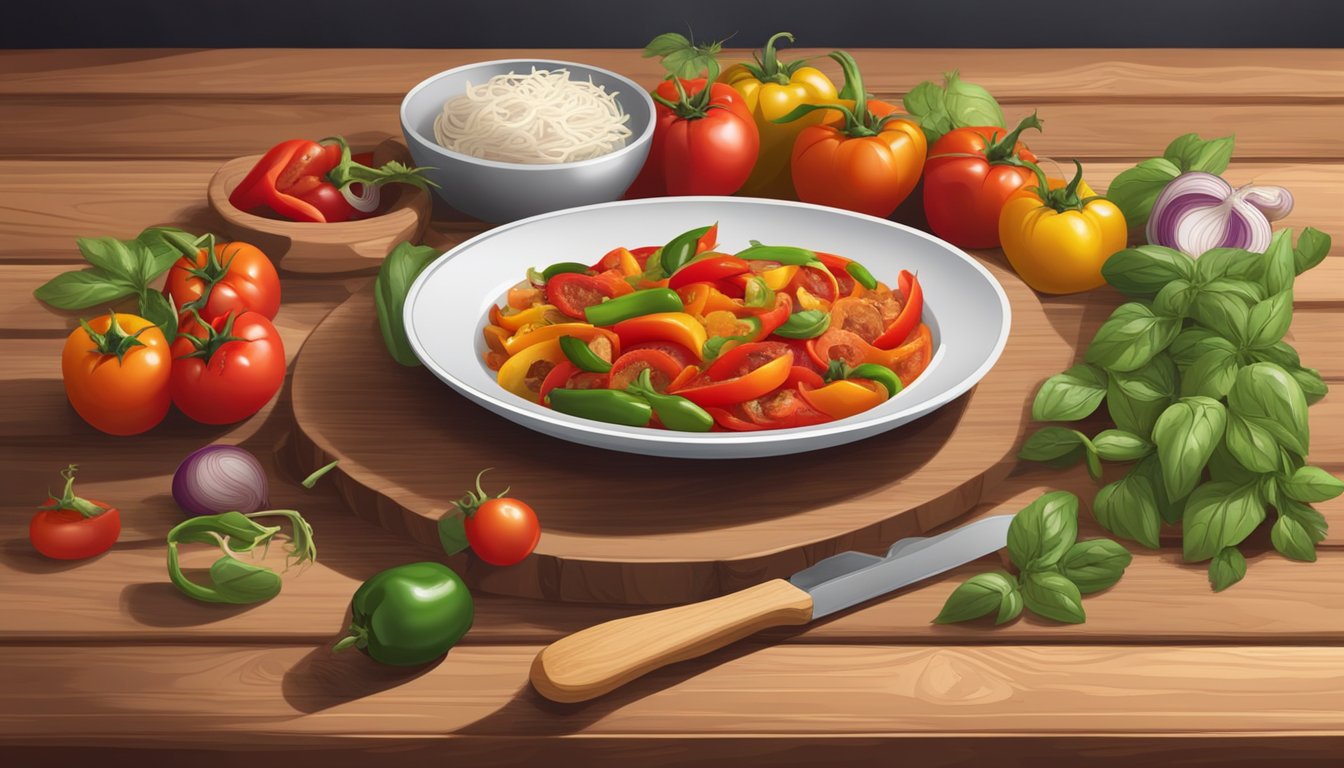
<point>235,581</point>
<point>681,249</point>
<point>781,254</point>
<point>808,324</point>
<point>579,354</point>
<point>613,406</point>
<point>630,305</point>
<point>563,267</point>
<point>676,413</point>
<point>879,373</point>
<point>861,275</point>
<point>409,615</point>
<point>758,294</point>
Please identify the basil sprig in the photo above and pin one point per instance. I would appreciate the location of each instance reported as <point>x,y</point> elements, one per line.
<point>1136,189</point>
<point>1054,570</point>
<point>390,288</point>
<point>1207,399</point>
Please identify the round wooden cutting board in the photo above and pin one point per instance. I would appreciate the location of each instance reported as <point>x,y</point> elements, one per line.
<point>621,528</point>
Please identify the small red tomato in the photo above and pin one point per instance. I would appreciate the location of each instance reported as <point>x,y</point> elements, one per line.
<point>500,530</point>
<point>71,528</point>
<point>230,373</point>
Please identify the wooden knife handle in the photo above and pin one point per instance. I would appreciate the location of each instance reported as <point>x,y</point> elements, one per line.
<point>600,659</point>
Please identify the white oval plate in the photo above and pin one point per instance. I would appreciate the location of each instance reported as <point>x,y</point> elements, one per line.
<point>964,306</point>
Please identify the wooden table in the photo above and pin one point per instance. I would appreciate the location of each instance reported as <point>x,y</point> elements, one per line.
<point>104,660</point>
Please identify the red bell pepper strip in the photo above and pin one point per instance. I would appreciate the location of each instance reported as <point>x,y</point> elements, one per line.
<point>708,270</point>
<point>557,378</point>
<point>908,319</point>
<point>303,180</point>
<point>738,390</point>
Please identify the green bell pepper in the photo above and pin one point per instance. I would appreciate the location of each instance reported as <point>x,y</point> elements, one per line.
<point>681,249</point>
<point>808,324</point>
<point>581,356</point>
<point>676,413</point>
<point>409,615</point>
<point>613,406</point>
<point>645,302</point>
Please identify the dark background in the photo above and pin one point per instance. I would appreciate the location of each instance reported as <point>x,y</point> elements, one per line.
<point>631,23</point>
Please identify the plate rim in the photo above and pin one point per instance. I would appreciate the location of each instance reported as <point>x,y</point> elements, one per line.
<point>715,440</point>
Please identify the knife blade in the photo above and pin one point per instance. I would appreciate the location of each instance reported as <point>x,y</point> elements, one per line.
<point>600,659</point>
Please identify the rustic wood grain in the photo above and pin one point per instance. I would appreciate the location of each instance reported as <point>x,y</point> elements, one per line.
<point>223,128</point>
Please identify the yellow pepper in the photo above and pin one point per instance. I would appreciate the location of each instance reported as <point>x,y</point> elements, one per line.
<point>778,279</point>
<point>845,398</point>
<point>677,327</point>
<point>530,316</point>
<point>1058,239</point>
<point>772,89</point>
<point>523,373</point>
<point>536,335</point>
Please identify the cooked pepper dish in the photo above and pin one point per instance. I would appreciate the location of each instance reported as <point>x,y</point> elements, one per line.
<point>687,338</point>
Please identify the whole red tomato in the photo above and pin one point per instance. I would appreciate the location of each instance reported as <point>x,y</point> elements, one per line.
<point>704,143</point>
<point>223,278</point>
<point>500,530</point>
<point>72,528</point>
<point>231,372</point>
<point>969,176</point>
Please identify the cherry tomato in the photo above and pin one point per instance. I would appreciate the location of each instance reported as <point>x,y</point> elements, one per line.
<point>239,278</point>
<point>229,374</point>
<point>663,368</point>
<point>116,372</point>
<point>500,530</point>
<point>71,528</point>
<point>571,293</point>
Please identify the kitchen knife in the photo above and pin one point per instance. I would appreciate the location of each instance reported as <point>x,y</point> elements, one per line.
<point>600,659</point>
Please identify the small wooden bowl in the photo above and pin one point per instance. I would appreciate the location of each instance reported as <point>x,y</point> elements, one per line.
<point>346,246</point>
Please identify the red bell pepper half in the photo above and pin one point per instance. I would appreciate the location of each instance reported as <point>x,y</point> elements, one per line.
<point>312,181</point>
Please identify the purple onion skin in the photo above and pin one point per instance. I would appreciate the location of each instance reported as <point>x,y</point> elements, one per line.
<point>220,478</point>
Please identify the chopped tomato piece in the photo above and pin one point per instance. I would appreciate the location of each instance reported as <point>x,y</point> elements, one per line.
<point>571,293</point>
<point>661,366</point>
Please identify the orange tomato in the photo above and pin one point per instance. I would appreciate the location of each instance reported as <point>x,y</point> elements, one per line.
<point>115,384</point>
<point>868,174</point>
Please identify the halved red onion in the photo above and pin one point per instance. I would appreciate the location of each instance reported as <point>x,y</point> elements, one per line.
<point>1198,212</point>
<point>365,200</point>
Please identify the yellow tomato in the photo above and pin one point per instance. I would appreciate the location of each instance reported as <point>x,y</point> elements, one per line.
<point>1059,245</point>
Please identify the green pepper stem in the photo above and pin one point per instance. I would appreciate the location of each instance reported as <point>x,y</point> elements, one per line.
<point>358,638</point>
<point>69,500</point>
<point>770,68</point>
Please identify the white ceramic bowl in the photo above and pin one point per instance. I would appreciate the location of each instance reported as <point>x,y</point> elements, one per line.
<point>499,192</point>
<point>965,308</point>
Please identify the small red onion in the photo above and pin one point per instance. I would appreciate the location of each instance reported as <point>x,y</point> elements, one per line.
<point>220,478</point>
<point>1197,212</point>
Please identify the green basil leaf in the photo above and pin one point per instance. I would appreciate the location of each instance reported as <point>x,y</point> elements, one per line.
<point>926,104</point>
<point>1219,515</point>
<point>1280,353</point>
<point>112,256</point>
<point>1211,375</point>
<point>1154,382</point>
<point>1230,264</point>
<point>159,310</point>
<point>1095,564</point>
<point>160,252</point>
<point>1143,271</point>
<point>1192,153</point>
<point>1269,320</point>
<point>86,288</point>
<point>1150,469</point>
<point>1043,531</point>
<point>808,324</point>
<point>1251,445</point>
<point>1010,607</point>
<point>1071,395</point>
<point>242,532</point>
<point>1051,595</point>
<point>1279,269</point>
<point>241,583</point>
<point>1311,520</point>
<point>1093,462</point>
<point>1312,248</point>
<point>1223,314</point>
<point>1136,189</point>
<point>1131,337</point>
<point>1120,445</point>
<point>1227,568</point>
<point>1311,485</point>
<point>1224,466</point>
<point>1292,540</point>
<point>1128,508</point>
<point>1313,386</point>
<point>453,533</point>
<point>1266,396</point>
<point>1186,434</point>
<point>1051,443</point>
<point>665,44</point>
<point>1175,299</point>
<point>978,596</point>
<point>970,105</point>
<point>1248,291</point>
<point>395,276</point>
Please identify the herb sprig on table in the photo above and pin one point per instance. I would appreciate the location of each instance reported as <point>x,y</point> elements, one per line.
<point>1208,400</point>
<point>1054,570</point>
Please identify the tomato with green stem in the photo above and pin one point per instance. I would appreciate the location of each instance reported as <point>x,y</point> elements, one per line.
<point>970,174</point>
<point>221,278</point>
<point>499,529</point>
<point>73,528</point>
<point>230,373</point>
<point>116,371</point>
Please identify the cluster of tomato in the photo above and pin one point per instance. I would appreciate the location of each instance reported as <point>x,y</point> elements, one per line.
<point>225,362</point>
<point>771,337</point>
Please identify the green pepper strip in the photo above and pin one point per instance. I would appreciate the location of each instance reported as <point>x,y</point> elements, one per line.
<point>861,275</point>
<point>613,406</point>
<point>782,254</point>
<point>808,324</point>
<point>681,249</point>
<point>580,355</point>
<point>879,373</point>
<point>676,413</point>
<point>564,267</point>
<point>630,305</point>
<point>758,295</point>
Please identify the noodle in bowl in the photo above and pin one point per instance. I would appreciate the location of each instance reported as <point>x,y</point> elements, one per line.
<point>540,117</point>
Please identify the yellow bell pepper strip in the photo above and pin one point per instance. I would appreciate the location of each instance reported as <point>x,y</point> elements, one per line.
<point>846,397</point>
<point>523,373</point>
<point>531,316</point>
<point>1057,236</point>
<point>677,327</point>
<point>777,279</point>
<point>750,386</point>
<point>538,334</point>
<point>772,89</point>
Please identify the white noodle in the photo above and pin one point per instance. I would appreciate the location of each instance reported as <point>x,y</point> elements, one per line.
<point>542,117</point>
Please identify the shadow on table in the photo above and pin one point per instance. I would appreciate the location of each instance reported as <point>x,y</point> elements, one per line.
<point>160,604</point>
<point>324,679</point>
